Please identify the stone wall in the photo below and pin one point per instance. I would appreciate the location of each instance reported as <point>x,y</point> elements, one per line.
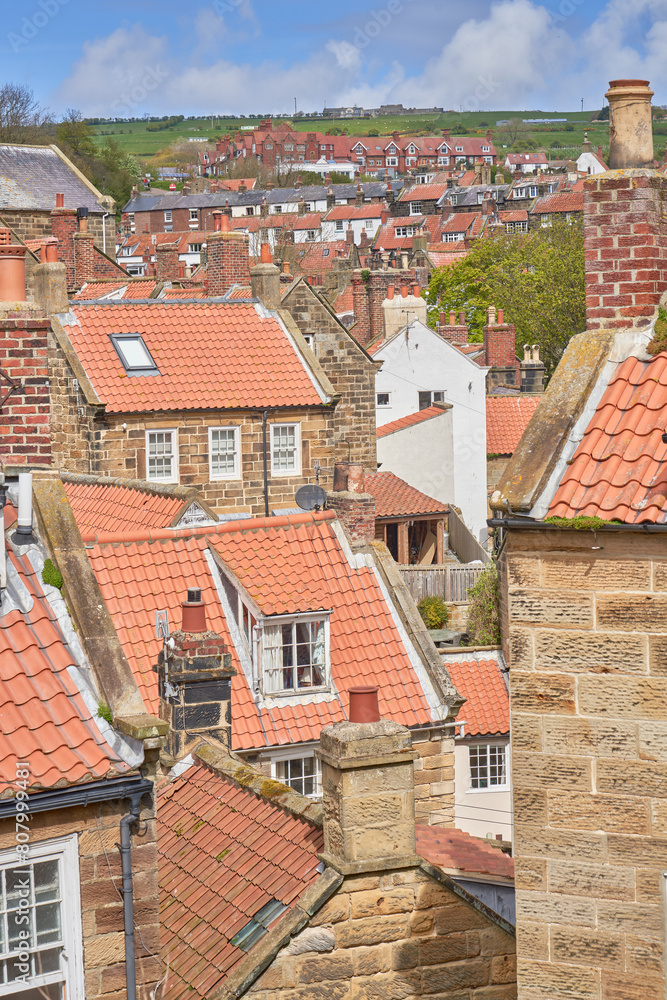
<point>101,896</point>
<point>84,442</point>
<point>434,777</point>
<point>586,629</point>
<point>350,371</point>
<point>394,934</point>
<point>35,225</point>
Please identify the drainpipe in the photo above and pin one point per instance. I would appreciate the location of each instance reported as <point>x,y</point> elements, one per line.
<point>266,471</point>
<point>128,903</point>
<point>104,232</point>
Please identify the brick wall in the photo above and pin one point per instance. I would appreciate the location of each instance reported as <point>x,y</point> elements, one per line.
<point>101,897</point>
<point>228,262</point>
<point>25,416</point>
<point>356,512</point>
<point>84,257</point>
<point>587,635</point>
<point>34,225</point>
<point>368,297</point>
<point>394,934</point>
<point>64,227</point>
<point>350,371</point>
<point>625,241</point>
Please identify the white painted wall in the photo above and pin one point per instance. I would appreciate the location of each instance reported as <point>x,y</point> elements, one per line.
<point>588,163</point>
<point>359,226</point>
<point>480,812</point>
<point>403,454</point>
<point>418,359</point>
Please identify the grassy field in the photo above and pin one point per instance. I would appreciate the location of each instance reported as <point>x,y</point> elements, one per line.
<point>134,138</point>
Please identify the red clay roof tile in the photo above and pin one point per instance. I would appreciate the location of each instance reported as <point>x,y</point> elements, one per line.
<point>618,471</point>
<point>396,498</point>
<point>212,882</point>
<point>487,711</point>
<point>455,850</point>
<point>506,419</point>
<point>412,418</point>
<point>209,355</point>
<point>115,508</point>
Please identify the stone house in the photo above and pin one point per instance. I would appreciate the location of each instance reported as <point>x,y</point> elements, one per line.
<point>78,752</point>
<point>580,515</point>
<point>341,902</point>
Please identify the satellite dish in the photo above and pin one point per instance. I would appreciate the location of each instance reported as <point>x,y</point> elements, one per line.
<point>311,496</point>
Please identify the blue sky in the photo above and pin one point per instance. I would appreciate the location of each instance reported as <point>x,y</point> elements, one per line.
<point>240,56</point>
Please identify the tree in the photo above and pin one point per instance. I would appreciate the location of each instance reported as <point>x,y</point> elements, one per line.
<point>74,132</point>
<point>537,278</point>
<point>514,131</point>
<point>21,117</point>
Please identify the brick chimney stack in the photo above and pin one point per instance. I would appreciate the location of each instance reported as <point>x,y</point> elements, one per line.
<point>369,798</point>
<point>500,350</point>
<point>167,262</point>
<point>195,681</point>
<point>625,230</point>
<point>84,249</point>
<point>355,509</point>
<point>228,257</point>
<point>449,329</point>
<point>63,227</point>
<point>25,433</point>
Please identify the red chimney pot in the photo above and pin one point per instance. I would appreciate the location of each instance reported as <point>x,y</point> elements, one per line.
<point>364,704</point>
<point>60,201</point>
<point>194,613</point>
<point>265,253</point>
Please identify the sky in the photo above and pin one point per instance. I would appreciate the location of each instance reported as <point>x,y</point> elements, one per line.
<point>156,57</point>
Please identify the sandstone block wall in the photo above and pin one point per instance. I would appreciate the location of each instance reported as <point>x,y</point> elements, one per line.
<point>394,934</point>
<point>586,634</point>
<point>350,371</point>
<point>101,896</point>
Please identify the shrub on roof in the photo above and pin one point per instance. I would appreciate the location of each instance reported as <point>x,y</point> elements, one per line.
<point>434,612</point>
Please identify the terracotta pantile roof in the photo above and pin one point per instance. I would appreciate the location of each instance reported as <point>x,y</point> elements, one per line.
<point>209,355</point>
<point>561,201</point>
<point>459,222</point>
<point>116,508</point>
<point>455,850</point>
<point>619,469</point>
<point>518,159</point>
<point>443,258</point>
<point>516,215</point>
<point>133,288</point>
<point>373,211</point>
<point>387,237</point>
<point>182,293</point>
<point>240,292</point>
<point>344,302</point>
<point>286,565</point>
<point>424,192</point>
<point>317,258</point>
<point>506,419</point>
<point>44,718</point>
<point>487,710</point>
<point>234,185</point>
<point>396,498</point>
<point>467,178</point>
<point>224,853</point>
<point>412,418</point>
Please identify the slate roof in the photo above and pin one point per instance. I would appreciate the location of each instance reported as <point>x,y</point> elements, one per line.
<point>396,498</point>
<point>487,710</point>
<point>224,853</point>
<point>286,564</point>
<point>412,418</point>
<point>459,852</point>
<point>31,176</point>
<point>278,196</point>
<point>506,419</point>
<point>210,355</point>
<point>619,470</point>
<point>44,719</point>
<point>106,507</point>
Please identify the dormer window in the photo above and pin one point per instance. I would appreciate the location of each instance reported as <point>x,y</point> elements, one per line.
<point>294,655</point>
<point>486,149</point>
<point>133,353</point>
<point>459,149</point>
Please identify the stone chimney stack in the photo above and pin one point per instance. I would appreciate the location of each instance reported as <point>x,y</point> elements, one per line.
<point>265,280</point>
<point>355,509</point>
<point>625,230</point>
<point>228,260</point>
<point>195,681</point>
<point>368,796</point>
<point>532,370</point>
<point>50,280</point>
<point>630,124</point>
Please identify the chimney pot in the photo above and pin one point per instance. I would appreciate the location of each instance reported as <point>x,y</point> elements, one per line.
<point>194,612</point>
<point>452,318</point>
<point>404,291</point>
<point>265,254</point>
<point>364,705</point>
<point>416,291</point>
<point>390,291</point>
<point>12,269</point>
<point>355,478</point>
<point>630,124</point>
<point>60,201</point>
<point>500,317</point>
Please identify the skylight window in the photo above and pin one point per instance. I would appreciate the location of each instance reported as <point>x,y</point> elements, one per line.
<point>133,353</point>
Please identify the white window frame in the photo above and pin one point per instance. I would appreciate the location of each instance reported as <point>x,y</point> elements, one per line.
<point>167,216</point>
<point>296,471</point>
<point>194,215</point>
<point>377,399</point>
<point>339,225</point>
<point>491,745</point>
<point>392,161</point>
<point>174,451</point>
<point>235,474</point>
<point>66,851</point>
<point>283,758</point>
<point>415,208</point>
<point>259,654</point>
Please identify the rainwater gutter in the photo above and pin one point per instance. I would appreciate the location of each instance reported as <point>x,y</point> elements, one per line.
<point>509,522</point>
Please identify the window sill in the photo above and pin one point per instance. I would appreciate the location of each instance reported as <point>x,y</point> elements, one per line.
<point>301,693</point>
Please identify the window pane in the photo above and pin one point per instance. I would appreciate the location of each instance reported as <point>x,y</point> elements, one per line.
<point>284,447</point>
<point>160,455</point>
<point>47,885</point>
<point>223,452</point>
<point>47,923</point>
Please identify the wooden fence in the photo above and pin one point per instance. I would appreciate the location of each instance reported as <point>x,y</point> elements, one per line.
<point>463,542</point>
<point>450,582</point>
